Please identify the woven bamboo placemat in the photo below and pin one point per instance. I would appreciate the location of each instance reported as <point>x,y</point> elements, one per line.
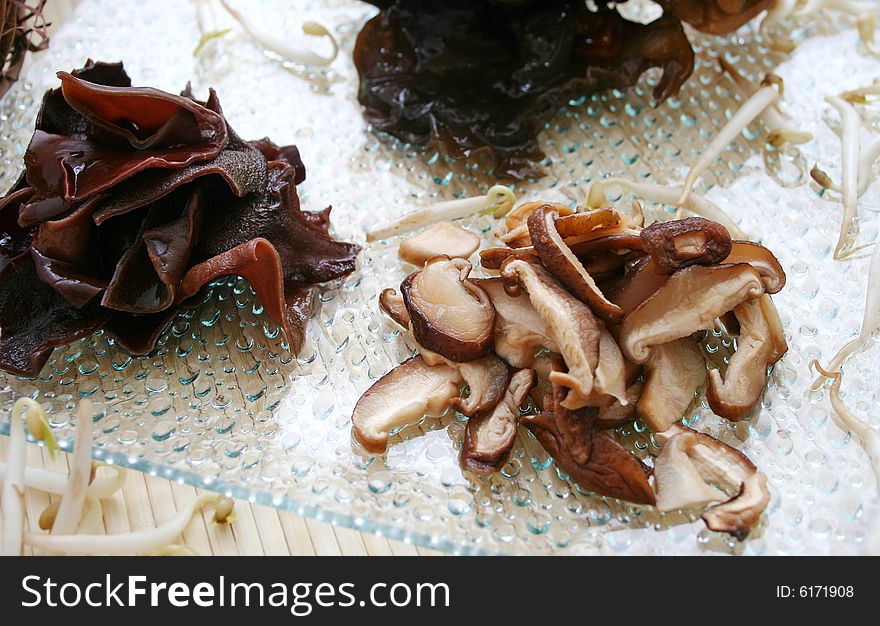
<point>257,530</point>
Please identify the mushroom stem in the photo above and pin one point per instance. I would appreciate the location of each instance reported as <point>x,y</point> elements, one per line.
<point>870,443</point>
<point>753,107</point>
<point>499,200</point>
<point>850,169</point>
<point>123,543</point>
<point>693,202</point>
<point>71,507</point>
<point>12,494</point>
<point>288,52</point>
<point>870,322</point>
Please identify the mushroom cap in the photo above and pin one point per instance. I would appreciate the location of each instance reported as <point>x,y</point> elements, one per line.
<point>443,238</point>
<point>405,395</point>
<point>677,244</point>
<point>449,314</point>
<point>565,266</point>
<point>489,438</point>
<point>734,395</point>
<point>689,301</point>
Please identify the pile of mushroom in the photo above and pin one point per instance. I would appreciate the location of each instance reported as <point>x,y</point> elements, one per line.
<point>598,320</point>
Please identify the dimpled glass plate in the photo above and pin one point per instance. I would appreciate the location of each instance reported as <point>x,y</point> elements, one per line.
<point>224,405</point>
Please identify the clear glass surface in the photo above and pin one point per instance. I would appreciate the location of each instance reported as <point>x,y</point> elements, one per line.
<point>223,405</point>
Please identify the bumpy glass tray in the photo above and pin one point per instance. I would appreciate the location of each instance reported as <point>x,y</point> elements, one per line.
<point>223,405</point>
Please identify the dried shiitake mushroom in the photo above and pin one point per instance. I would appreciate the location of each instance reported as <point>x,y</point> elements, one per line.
<point>565,266</point>
<point>761,343</point>
<point>688,467</point>
<point>680,243</point>
<point>405,395</point>
<point>689,301</point>
<point>674,372</point>
<point>449,314</point>
<point>443,238</point>
<point>489,438</point>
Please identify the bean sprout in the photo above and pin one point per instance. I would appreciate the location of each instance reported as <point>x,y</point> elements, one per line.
<point>12,494</point>
<point>850,165</point>
<point>55,482</point>
<point>870,321</point>
<point>763,98</point>
<point>870,443</point>
<point>123,543</point>
<point>288,52</point>
<point>662,194</point>
<point>70,509</point>
<point>498,201</point>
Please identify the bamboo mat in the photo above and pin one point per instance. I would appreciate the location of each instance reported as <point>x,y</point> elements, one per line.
<point>257,530</point>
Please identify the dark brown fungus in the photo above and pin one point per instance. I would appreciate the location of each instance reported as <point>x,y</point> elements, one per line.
<point>145,197</point>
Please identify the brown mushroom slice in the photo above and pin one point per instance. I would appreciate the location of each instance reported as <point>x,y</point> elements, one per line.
<point>571,325</point>
<point>515,230</point>
<point>764,261</point>
<point>493,258</point>
<point>639,284</point>
<point>734,395</point>
<point>449,314</point>
<point>610,471</point>
<point>587,222</point>
<point>689,301</point>
<point>617,414</point>
<point>741,513</point>
<point>519,330</point>
<point>443,238</point>
<point>716,464</point>
<point>677,244</point>
<point>489,438</point>
<point>673,373</point>
<point>487,379</point>
<point>678,480</point>
<point>565,266</point>
<point>405,395</point>
<point>392,303</point>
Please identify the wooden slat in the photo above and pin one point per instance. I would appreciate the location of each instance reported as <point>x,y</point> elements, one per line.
<point>147,500</point>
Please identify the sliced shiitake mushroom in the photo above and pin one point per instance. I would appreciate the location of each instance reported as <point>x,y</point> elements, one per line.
<point>734,395</point>
<point>689,301</point>
<point>443,238</point>
<point>674,372</point>
<point>405,395</point>
<point>639,283</point>
<point>677,244</point>
<point>519,330</point>
<point>571,324</point>
<point>691,463</point>
<point>392,303</point>
<point>611,470</point>
<point>449,314</point>
<point>489,438</point>
<point>760,258</point>
<point>486,378</point>
<point>515,230</point>
<point>617,414</point>
<point>565,266</point>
